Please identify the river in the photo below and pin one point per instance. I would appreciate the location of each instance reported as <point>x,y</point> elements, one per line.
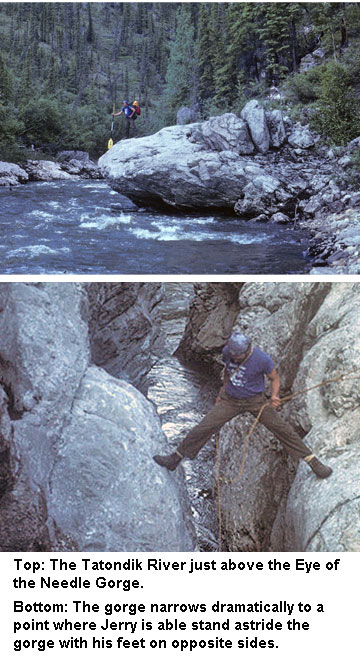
<point>69,228</point>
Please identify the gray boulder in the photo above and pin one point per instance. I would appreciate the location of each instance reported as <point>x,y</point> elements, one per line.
<point>276,126</point>
<point>227,132</point>
<point>209,172</point>
<point>11,174</point>
<point>46,171</point>
<point>254,115</point>
<point>301,137</point>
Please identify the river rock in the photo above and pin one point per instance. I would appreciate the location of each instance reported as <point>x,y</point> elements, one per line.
<point>46,171</point>
<point>227,132</point>
<point>279,218</point>
<point>254,115</point>
<point>11,174</point>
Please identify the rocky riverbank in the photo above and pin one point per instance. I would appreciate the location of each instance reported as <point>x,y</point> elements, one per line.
<point>260,166</point>
<point>68,165</point>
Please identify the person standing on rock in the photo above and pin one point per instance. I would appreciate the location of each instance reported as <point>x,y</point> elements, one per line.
<point>246,367</point>
<point>130,117</point>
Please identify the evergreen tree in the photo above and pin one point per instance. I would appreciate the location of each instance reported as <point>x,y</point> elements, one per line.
<point>181,73</point>
<point>5,82</point>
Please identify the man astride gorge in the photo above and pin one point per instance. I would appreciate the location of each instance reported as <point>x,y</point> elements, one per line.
<point>129,112</point>
<point>243,391</point>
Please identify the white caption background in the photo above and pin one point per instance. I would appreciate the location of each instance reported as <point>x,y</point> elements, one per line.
<point>314,594</point>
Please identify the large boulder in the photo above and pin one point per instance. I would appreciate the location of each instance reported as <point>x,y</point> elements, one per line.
<point>254,114</point>
<point>201,176</point>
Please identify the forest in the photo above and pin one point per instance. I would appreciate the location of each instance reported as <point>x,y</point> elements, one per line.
<point>65,67</point>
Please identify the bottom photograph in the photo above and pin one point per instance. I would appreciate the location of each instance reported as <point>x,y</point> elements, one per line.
<point>152,416</point>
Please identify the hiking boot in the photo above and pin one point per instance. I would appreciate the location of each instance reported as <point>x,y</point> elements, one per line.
<point>321,470</point>
<point>170,462</point>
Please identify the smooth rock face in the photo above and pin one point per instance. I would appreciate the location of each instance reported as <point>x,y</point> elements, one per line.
<point>106,491</point>
<point>74,437</point>
<point>254,114</point>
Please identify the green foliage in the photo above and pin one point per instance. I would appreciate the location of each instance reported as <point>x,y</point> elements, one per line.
<point>338,110</point>
<point>304,87</point>
<point>43,121</point>
<point>63,65</point>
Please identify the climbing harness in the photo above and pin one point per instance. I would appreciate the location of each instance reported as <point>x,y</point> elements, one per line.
<point>220,480</point>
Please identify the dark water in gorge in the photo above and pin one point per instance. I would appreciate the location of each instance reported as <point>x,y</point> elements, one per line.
<point>69,227</point>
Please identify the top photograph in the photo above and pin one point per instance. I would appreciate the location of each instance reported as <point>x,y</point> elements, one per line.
<point>179,138</point>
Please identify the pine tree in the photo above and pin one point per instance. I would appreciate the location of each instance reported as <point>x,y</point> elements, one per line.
<point>181,73</point>
<point>5,82</point>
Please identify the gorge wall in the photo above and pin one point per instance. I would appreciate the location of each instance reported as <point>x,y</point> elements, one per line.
<point>77,435</point>
<point>76,441</point>
<point>311,331</point>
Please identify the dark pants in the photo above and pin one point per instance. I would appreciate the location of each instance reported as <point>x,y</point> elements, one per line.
<point>228,408</point>
<point>130,122</point>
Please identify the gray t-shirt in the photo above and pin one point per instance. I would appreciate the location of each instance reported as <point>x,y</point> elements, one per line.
<point>249,379</point>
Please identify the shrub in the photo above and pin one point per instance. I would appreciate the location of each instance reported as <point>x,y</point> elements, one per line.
<point>338,114</point>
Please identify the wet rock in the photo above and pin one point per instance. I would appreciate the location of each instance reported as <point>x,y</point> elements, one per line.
<point>11,174</point>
